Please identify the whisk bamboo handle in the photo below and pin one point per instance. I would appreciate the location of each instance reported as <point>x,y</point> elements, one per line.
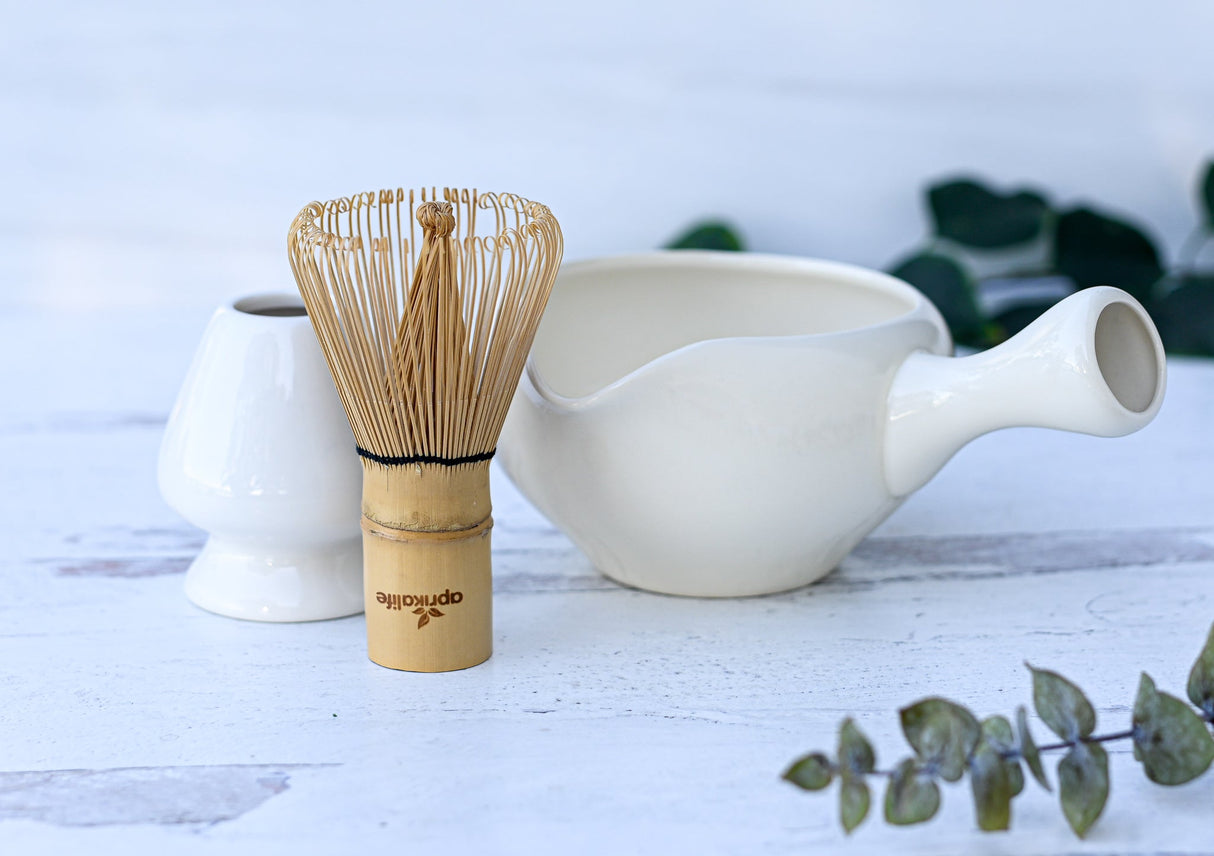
<point>427,579</point>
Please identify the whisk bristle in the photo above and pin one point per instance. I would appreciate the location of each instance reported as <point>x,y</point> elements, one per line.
<point>425,339</point>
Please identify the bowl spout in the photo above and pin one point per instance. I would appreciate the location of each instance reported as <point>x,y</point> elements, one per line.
<point>1093,364</point>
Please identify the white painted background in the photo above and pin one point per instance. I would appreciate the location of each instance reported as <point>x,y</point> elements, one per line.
<point>154,153</point>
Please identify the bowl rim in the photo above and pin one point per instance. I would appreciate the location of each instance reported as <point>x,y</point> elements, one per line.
<point>919,308</point>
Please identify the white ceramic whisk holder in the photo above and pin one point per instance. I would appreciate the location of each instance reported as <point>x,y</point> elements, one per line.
<point>258,452</point>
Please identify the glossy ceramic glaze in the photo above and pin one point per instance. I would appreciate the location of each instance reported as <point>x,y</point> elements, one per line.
<point>258,452</point>
<point>725,424</point>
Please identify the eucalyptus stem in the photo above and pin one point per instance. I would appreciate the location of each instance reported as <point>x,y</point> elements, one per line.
<point>1102,738</point>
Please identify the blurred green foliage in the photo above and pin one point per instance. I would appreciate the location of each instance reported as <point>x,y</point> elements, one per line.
<point>993,261</point>
<point>1022,240</point>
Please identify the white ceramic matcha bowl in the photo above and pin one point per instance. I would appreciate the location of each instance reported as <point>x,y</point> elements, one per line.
<point>719,424</point>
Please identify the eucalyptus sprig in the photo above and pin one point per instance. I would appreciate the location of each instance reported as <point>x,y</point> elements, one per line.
<point>1172,741</point>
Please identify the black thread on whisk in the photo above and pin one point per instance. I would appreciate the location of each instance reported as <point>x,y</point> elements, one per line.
<point>395,461</point>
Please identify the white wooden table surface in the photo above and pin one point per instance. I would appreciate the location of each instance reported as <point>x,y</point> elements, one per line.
<point>608,720</point>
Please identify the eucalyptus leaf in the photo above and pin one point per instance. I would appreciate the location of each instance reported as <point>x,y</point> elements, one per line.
<point>709,235</point>
<point>1185,316</point>
<point>997,733</point>
<point>1028,748</point>
<point>855,752</point>
<point>1201,678</point>
<point>942,734</point>
<point>1083,785</point>
<point>991,782</point>
<point>1061,705</point>
<point>972,214</point>
<point>812,772</point>
<point>910,798</point>
<point>1096,249</point>
<point>949,287</point>
<point>853,803</point>
<point>1207,194</point>
<point>1172,742</point>
<point>856,757</point>
<point>1015,777</point>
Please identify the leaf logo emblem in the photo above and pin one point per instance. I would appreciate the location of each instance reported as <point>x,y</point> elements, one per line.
<point>425,614</point>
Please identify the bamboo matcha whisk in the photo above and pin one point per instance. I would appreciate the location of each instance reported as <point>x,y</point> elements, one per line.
<point>426,337</point>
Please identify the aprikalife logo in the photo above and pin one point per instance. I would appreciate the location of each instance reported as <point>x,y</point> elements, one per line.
<point>425,605</point>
